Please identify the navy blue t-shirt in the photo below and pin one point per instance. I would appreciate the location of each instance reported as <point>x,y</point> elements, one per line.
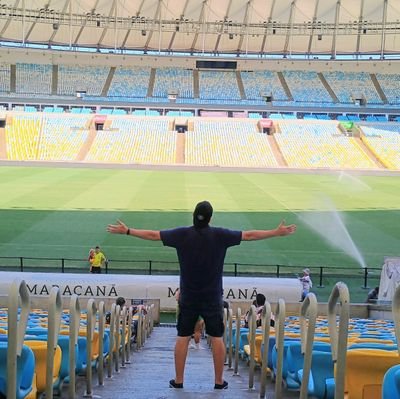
<point>201,254</point>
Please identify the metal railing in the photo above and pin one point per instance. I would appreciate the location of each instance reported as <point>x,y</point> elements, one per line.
<point>157,267</point>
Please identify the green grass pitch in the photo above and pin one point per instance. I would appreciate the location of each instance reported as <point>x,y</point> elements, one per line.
<point>62,212</point>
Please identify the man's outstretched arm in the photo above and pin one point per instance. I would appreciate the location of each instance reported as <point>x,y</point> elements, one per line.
<point>122,228</point>
<point>281,230</point>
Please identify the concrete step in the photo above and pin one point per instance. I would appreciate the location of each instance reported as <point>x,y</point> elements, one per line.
<point>285,86</point>
<point>328,87</point>
<point>378,88</point>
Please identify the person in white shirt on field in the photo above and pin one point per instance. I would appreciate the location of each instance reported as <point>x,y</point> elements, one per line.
<point>306,282</point>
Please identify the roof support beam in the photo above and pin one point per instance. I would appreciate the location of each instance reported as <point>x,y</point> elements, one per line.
<point>360,28</point>
<point>84,25</point>
<point>315,16</point>
<point>181,18</point>
<point>157,15</point>
<point>202,19</point>
<point>289,33</point>
<point>130,30</point>
<point>113,10</point>
<point>226,16</point>
<point>337,15</point>
<point>64,10</point>
<point>383,36</point>
<point>7,24</point>
<point>244,25</point>
<point>271,13</point>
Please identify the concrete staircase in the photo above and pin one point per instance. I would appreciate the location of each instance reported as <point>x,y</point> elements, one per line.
<point>180,148</point>
<point>86,145</point>
<point>3,144</point>
<point>240,85</point>
<point>13,78</point>
<point>196,84</point>
<point>151,82</point>
<point>328,88</point>
<point>285,86</point>
<point>109,79</point>
<point>280,159</point>
<point>54,80</point>
<point>378,88</point>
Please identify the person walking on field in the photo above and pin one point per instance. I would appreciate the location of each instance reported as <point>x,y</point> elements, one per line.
<point>201,251</point>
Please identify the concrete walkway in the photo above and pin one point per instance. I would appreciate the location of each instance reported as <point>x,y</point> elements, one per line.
<point>150,370</point>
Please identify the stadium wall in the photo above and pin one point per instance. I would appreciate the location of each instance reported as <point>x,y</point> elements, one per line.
<point>33,56</point>
<point>111,286</point>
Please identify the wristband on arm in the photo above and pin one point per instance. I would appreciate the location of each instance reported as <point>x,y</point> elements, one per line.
<point>128,232</point>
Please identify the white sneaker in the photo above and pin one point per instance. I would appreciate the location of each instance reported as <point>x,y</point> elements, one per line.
<point>192,345</point>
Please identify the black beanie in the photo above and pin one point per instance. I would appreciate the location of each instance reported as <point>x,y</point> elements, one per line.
<point>202,214</point>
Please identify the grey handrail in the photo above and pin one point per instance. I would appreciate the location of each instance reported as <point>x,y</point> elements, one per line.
<point>74,321</point>
<point>100,368</point>
<point>123,336</point>
<point>91,322</point>
<point>396,315</point>
<point>117,330</point>
<point>16,331</point>
<point>339,338</point>
<point>225,315</point>
<point>309,310</point>
<point>230,349</point>
<point>279,342</point>
<point>144,325</point>
<point>112,342</point>
<point>53,329</point>
<point>237,339</point>
<point>139,330</point>
<point>252,343</point>
<point>152,317</point>
<point>266,324</point>
<point>128,347</point>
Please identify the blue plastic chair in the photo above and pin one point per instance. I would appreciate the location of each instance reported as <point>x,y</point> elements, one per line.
<point>295,361</point>
<point>25,371</point>
<point>321,383</point>
<point>391,383</point>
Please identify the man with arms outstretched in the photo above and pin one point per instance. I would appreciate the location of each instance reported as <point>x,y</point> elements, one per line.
<point>201,251</point>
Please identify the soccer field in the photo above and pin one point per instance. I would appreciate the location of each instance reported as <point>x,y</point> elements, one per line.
<point>62,212</point>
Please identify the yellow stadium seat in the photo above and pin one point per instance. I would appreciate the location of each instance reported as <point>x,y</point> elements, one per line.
<point>365,370</point>
<point>39,349</point>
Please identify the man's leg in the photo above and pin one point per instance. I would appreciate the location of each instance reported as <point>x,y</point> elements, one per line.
<point>218,350</point>
<point>181,349</point>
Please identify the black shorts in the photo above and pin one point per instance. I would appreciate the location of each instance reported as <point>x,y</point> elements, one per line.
<point>211,313</point>
<point>95,270</point>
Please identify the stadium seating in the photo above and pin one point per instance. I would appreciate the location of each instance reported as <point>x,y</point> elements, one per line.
<point>317,145</point>
<point>384,141</point>
<point>344,84</point>
<point>62,137</point>
<point>228,143</point>
<point>365,370</point>
<point>391,383</point>
<point>130,82</point>
<point>22,137</point>
<point>390,84</point>
<point>33,78</point>
<point>135,140</point>
<point>5,76</point>
<point>306,86</point>
<point>218,85</point>
<point>267,82</point>
<point>75,78</point>
<point>25,371</point>
<point>173,79</point>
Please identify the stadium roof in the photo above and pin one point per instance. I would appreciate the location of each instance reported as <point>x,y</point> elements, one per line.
<point>282,27</point>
